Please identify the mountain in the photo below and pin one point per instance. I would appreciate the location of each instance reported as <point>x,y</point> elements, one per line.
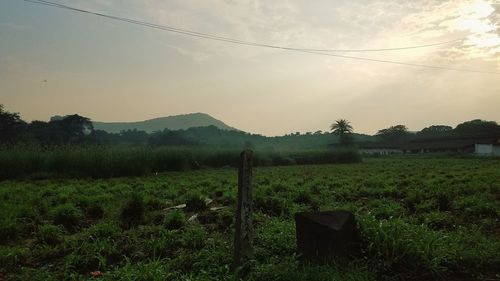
<point>176,122</point>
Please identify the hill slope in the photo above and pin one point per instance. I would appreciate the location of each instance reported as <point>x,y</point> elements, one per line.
<point>175,122</point>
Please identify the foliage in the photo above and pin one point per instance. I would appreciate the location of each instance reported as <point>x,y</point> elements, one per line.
<point>132,213</point>
<point>195,202</point>
<point>175,220</point>
<point>478,128</point>
<point>420,219</point>
<point>343,129</point>
<point>11,126</point>
<point>67,215</point>
<point>49,234</point>
<point>101,161</point>
<point>167,137</point>
<point>395,133</point>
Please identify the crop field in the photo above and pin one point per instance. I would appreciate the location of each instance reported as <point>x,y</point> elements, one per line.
<point>420,219</point>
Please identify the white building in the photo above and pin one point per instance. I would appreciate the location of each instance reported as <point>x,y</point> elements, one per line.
<point>380,151</point>
<point>487,149</point>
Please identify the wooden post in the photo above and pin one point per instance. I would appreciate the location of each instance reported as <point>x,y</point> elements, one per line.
<point>244,228</point>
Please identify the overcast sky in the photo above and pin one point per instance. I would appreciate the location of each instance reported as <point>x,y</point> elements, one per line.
<point>115,71</point>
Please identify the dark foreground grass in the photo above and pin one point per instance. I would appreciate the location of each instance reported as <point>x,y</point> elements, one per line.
<point>104,162</point>
<point>420,219</point>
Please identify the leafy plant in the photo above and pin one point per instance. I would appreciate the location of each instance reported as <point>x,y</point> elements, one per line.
<point>67,215</point>
<point>132,213</point>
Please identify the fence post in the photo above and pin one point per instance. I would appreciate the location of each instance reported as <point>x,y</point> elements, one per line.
<point>244,228</point>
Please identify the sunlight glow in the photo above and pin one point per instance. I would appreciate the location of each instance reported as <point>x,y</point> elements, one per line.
<point>474,20</point>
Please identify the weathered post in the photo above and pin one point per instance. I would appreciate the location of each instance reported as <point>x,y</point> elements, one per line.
<point>244,228</point>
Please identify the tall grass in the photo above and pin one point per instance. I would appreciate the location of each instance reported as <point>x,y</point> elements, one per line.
<point>101,161</point>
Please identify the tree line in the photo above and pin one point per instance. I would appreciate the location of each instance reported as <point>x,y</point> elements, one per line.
<point>399,133</point>
<point>78,130</point>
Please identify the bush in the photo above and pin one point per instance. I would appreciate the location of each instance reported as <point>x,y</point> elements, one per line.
<point>49,234</point>
<point>67,215</point>
<point>175,220</point>
<point>195,202</point>
<point>8,229</point>
<point>132,213</point>
<point>271,205</point>
<point>13,256</point>
<point>102,230</point>
<point>94,211</point>
<point>346,155</point>
<point>194,237</point>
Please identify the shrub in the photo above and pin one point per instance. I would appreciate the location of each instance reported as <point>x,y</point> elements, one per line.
<point>9,229</point>
<point>219,220</point>
<point>13,256</point>
<point>175,220</point>
<point>132,213</point>
<point>102,230</point>
<point>302,197</point>
<point>346,155</point>
<point>94,211</point>
<point>195,202</point>
<point>67,215</point>
<point>49,234</point>
<point>194,237</point>
<point>271,205</point>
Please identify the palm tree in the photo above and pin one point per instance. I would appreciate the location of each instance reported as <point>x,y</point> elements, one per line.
<point>342,128</point>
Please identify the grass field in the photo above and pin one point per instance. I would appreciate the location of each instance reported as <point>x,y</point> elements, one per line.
<point>420,219</point>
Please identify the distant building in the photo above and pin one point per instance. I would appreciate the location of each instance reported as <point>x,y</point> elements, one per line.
<point>478,146</point>
<point>380,150</point>
<point>487,149</point>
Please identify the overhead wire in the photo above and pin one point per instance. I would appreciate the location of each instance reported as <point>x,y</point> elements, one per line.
<point>323,52</point>
<point>232,40</point>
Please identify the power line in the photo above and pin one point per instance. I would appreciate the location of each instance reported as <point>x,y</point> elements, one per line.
<point>324,52</point>
<point>232,40</point>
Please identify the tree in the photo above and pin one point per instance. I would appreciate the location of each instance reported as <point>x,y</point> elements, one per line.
<point>343,129</point>
<point>11,126</point>
<point>167,137</point>
<point>478,128</point>
<point>134,136</point>
<point>70,129</point>
<point>435,131</point>
<point>39,132</point>
<point>394,133</point>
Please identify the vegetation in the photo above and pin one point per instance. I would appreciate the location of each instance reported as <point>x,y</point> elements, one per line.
<point>394,134</point>
<point>78,130</point>
<point>102,161</point>
<point>420,219</point>
<point>343,129</point>
<point>11,126</point>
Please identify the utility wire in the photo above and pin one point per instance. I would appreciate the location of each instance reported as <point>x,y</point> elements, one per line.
<point>324,52</point>
<point>226,39</point>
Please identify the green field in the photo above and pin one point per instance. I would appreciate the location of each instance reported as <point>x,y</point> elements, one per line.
<point>420,219</point>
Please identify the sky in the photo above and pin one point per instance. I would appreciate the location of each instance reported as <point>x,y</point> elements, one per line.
<point>57,62</point>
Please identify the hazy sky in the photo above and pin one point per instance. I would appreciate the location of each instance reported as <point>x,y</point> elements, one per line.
<point>115,71</point>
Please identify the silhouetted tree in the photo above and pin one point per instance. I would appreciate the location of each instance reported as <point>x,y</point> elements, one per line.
<point>39,131</point>
<point>70,129</point>
<point>134,136</point>
<point>343,129</point>
<point>395,133</point>
<point>478,128</point>
<point>318,132</point>
<point>435,131</point>
<point>11,126</point>
<point>167,137</point>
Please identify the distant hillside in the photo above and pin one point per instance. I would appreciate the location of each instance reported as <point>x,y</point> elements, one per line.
<point>176,122</point>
